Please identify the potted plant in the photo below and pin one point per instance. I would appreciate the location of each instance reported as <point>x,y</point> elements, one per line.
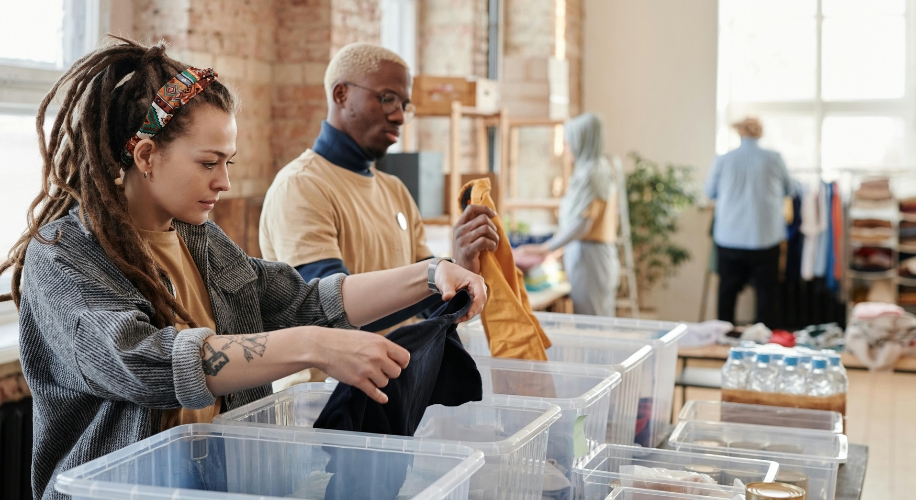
<point>656,197</point>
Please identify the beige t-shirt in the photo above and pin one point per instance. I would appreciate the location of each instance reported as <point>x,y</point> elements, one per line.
<point>191,292</point>
<point>315,210</point>
<point>604,220</point>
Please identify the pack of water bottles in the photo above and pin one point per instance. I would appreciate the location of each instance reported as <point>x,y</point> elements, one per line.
<point>777,369</point>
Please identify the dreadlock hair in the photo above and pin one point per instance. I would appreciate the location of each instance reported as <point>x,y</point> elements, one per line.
<point>108,93</point>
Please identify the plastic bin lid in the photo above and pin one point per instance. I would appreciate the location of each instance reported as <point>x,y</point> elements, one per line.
<point>840,441</point>
<point>641,349</point>
<point>78,482</point>
<point>609,378</point>
<point>636,452</point>
<point>627,493</point>
<point>666,331</point>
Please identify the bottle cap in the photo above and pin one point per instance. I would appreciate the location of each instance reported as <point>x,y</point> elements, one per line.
<point>736,354</point>
<point>820,363</point>
<point>777,356</point>
<point>791,361</point>
<point>762,358</point>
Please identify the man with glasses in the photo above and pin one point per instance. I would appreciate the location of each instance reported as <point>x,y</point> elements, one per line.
<point>331,211</point>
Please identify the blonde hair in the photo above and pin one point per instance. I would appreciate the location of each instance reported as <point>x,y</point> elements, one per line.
<point>749,127</point>
<point>355,61</point>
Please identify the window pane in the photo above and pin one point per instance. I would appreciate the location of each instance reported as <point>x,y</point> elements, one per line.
<point>862,141</point>
<point>772,60</point>
<point>21,174</point>
<point>793,137</point>
<point>33,31</point>
<point>863,7</point>
<point>864,58</point>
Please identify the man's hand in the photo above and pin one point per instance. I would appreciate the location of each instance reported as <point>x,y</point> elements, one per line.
<point>474,233</point>
<point>450,278</point>
<point>530,256</point>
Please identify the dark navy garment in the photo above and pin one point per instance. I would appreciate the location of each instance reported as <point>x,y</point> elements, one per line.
<point>341,150</point>
<point>440,372</point>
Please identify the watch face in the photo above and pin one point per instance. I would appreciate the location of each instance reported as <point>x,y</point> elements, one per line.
<point>402,221</point>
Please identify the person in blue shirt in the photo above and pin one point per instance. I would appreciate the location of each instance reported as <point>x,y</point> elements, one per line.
<point>749,186</point>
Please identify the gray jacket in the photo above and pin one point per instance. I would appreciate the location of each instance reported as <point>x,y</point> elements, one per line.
<point>99,371</point>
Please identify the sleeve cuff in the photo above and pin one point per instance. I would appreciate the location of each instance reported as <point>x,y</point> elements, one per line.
<point>330,295</point>
<point>187,369</point>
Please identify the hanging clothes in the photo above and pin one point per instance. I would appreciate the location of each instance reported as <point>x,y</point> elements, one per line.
<point>831,254</point>
<point>510,325</point>
<point>820,261</point>
<point>440,372</point>
<point>812,225</point>
<point>794,240</point>
<point>838,225</point>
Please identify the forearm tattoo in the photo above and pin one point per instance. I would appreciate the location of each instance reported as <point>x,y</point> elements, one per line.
<point>214,361</point>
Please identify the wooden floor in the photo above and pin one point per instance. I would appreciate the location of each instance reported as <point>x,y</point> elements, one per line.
<point>881,413</point>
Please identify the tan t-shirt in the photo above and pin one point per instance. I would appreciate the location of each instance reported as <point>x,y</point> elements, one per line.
<point>315,210</point>
<point>191,292</point>
<point>604,220</point>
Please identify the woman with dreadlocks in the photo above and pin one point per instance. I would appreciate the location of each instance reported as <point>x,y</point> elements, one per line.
<point>136,312</point>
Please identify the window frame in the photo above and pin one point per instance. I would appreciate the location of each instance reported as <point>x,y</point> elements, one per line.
<point>902,108</point>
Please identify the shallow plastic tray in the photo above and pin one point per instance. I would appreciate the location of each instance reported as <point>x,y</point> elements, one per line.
<point>638,494</point>
<point>513,438</point>
<point>662,335</point>
<point>600,472</point>
<point>221,462</point>
<point>738,413</point>
<point>818,454</point>
<point>584,393</point>
<point>633,359</point>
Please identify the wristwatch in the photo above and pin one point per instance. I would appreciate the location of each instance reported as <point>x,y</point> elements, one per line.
<point>431,272</point>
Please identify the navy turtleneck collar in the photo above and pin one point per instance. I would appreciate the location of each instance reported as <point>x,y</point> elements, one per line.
<point>341,150</point>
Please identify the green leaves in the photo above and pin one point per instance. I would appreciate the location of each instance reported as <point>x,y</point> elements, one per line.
<point>656,197</point>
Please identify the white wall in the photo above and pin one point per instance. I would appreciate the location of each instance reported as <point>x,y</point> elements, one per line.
<point>649,67</point>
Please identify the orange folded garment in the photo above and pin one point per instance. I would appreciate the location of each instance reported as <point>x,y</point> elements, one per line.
<point>510,325</point>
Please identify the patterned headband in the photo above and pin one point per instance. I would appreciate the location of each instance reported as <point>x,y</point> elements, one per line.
<point>171,96</point>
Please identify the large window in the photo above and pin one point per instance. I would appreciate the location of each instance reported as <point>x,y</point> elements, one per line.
<point>832,80</point>
<point>38,41</point>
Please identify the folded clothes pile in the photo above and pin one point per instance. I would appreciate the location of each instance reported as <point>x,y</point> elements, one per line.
<point>874,193</point>
<point>871,231</point>
<point>870,259</point>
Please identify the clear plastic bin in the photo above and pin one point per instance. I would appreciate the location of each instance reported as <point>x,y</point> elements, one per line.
<point>513,439</point>
<point>738,413</point>
<point>221,462</point>
<point>815,454</point>
<point>600,472</point>
<point>633,359</point>
<point>584,393</point>
<point>638,494</point>
<point>662,335</point>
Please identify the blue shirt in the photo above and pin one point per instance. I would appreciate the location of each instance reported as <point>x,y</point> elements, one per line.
<point>749,185</point>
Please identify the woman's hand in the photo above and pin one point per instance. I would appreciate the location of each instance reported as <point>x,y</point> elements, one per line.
<point>451,277</point>
<point>364,360</point>
<point>530,256</point>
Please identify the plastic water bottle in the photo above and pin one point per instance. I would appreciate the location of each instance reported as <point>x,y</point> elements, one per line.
<point>804,363</point>
<point>778,360</point>
<point>750,356</point>
<point>763,377</point>
<point>734,372</point>
<point>791,380</point>
<point>819,381</point>
<point>837,373</point>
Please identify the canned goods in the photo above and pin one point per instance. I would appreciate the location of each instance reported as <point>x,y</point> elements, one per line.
<point>746,445</point>
<point>774,491</point>
<point>713,472</point>
<point>794,478</point>
<point>710,442</point>
<point>785,448</point>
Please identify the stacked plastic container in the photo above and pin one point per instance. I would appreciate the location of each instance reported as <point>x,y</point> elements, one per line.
<point>635,360</point>
<point>222,462</point>
<point>739,413</point>
<point>613,466</point>
<point>638,494</point>
<point>513,438</point>
<point>584,394</point>
<point>812,457</point>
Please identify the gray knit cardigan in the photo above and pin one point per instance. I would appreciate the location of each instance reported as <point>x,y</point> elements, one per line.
<point>99,371</point>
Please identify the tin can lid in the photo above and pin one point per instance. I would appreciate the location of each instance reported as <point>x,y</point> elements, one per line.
<point>774,491</point>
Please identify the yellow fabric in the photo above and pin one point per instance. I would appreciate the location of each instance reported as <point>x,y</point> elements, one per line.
<point>603,214</point>
<point>191,292</point>
<point>510,325</point>
<point>315,210</point>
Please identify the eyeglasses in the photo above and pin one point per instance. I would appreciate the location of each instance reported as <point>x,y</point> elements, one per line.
<point>391,102</point>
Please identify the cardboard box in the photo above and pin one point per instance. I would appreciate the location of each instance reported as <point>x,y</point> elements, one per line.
<point>836,402</point>
<point>433,95</point>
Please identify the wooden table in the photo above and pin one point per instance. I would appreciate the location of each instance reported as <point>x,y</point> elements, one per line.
<point>720,353</point>
<point>553,299</point>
